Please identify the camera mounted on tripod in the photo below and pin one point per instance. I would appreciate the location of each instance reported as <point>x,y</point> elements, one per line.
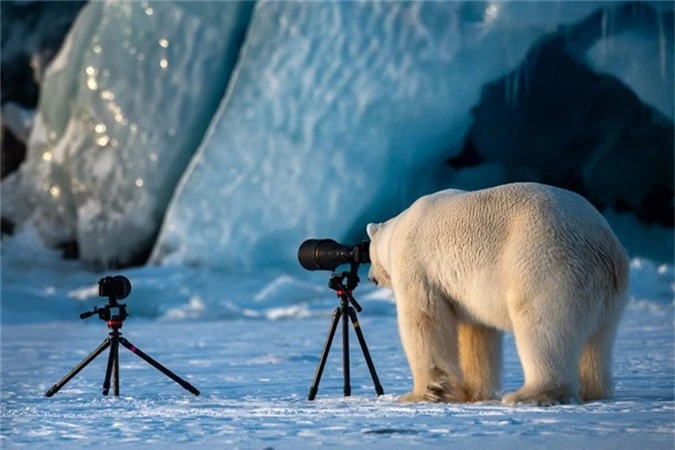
<point>326,254</point>
<point>115,288</point>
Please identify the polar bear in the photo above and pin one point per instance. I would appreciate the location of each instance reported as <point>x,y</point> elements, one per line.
<point>527,258</point>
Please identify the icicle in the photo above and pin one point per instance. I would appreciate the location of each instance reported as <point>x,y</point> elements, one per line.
<point>662,44</point>
<point>516,85</point>
<point>604,39</point>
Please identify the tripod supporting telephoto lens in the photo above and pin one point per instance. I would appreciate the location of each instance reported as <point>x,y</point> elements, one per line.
<point>114,339</point>
<point>346,312</point>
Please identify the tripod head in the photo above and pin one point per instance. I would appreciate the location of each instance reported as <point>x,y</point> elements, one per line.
<point>343,291</point>
<point>115,288</point>
<point>106,313</point>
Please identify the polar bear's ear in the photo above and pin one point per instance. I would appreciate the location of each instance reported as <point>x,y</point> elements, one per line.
<point>372,229</point>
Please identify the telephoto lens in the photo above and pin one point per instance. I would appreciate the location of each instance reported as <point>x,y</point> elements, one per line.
<point>326,254</point>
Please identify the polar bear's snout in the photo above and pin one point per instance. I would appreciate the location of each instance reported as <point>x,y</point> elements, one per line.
<point>373,280</point>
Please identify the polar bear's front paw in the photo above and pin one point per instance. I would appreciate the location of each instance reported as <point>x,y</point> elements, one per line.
<point>446,391</point>
<point>540,397</point>
<point>411,397</point>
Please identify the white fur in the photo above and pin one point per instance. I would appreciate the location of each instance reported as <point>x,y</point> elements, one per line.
<point>531,259</point>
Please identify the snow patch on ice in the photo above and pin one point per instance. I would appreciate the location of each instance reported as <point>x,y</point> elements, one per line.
<point>84,293</point>
<point>652,285</point>
<point>194,309</point>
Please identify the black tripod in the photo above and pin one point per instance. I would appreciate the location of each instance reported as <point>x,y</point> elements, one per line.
<point>345,311</point>
<point>113,340</point>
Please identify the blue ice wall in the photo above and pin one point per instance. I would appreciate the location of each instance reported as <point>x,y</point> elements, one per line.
<point>339,113</point>
<point>122,109</point>
<point>335,114</point>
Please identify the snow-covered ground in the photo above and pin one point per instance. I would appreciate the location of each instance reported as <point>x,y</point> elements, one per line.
<point>251,344</point>
<point>320,95</point>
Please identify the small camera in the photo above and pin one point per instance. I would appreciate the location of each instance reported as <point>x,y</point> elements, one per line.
<point>117,287</point>
<point>326,254</point>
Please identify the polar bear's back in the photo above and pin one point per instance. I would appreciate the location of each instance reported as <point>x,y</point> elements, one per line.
<point>518,215</point>
<point>521,238</point>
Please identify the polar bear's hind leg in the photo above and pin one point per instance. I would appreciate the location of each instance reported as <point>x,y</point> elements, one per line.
<point>595,366</point>
<point>549,352</point>
<point>480,357</point>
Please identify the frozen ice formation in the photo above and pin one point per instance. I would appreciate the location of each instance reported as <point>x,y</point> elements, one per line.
<point>339,113</point>
<point>282,120</point>
<point>123,107</point>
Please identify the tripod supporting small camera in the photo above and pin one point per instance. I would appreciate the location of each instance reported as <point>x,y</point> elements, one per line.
<point>115,288</point>
<point>346,312</point>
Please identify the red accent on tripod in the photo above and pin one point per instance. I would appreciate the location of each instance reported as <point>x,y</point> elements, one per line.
<point>114,324</point>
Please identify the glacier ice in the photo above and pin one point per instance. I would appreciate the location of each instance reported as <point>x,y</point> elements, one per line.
<point>32,33</point>
<point>336,114</point>
<point>339,113</point>
<point>122,108</point>
<point>18,120</point>
<point>574,125</point>
<point>637,48</point>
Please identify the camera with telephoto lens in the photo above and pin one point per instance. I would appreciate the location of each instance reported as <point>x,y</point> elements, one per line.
<point>326,254</point>
<point>117,287</point>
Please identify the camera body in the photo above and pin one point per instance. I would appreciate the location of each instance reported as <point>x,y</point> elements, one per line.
<point>117,287</point>
<point>326,254</point>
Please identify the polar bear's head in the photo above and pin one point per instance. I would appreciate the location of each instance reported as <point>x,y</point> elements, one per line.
<point>379,254</point>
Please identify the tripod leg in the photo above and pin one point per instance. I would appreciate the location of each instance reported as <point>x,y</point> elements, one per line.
<point>158,366</point>
<point>54,389</point>
<point>109,367</point>
<point>366,353</point>
<point>116,368</point>
<point>345,352</point>
<point>324,355</point>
